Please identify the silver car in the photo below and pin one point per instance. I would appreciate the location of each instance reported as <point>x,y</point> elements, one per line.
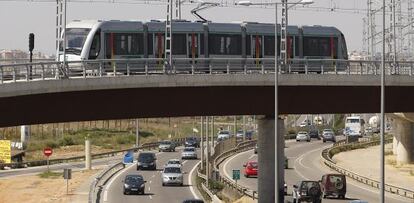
<point>166,146</point>
<point>303,136</point>
<point>172,175</point>
<point>189,153</point>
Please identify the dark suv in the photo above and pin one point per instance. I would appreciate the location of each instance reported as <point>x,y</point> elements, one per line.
<point>147,160</point>
<point>134,184</point>
<point>314,133</point>
<point>192,142</point>
<point>309,191</point>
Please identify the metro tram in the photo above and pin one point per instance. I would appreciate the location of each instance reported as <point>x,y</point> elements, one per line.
<point>95,39</point>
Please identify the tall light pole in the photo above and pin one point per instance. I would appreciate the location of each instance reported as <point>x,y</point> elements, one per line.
<point>278,194</point>
<point>382,173</point>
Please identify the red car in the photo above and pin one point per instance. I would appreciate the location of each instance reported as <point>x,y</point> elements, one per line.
<point>250,168</point>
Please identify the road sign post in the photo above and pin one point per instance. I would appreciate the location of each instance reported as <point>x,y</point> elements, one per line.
<point>47,152</point>
<point>236,175</point>
<point>67,174</point>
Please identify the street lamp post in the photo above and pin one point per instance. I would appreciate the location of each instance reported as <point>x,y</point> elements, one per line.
<point>278,194</point>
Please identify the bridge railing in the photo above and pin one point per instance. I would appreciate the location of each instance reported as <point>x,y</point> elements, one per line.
<point>145,66</point>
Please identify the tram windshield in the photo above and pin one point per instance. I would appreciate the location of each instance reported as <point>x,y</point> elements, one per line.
<point>75,39</point>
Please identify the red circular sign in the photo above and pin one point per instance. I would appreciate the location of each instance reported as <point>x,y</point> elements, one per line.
<point>47,151</point>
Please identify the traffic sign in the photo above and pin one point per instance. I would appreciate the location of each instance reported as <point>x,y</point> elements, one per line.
<point>47,151</point>
<point>236,174</point>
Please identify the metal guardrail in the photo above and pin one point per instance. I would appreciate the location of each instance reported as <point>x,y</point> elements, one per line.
<point>96,187</point>
<point>81,158</point>
<point>244,146</point>
<point>23,72</point>
<point>327,159</point>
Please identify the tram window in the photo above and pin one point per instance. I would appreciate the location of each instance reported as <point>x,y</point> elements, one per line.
<point>296,46</point>
<point>150,44</point>
<point>95,46</point>
<point>179,44</point>
<point>318,46</point>
<point>224,44</point>
<point>269,45</point>
<point>125,43</point>
<point>201,43</point>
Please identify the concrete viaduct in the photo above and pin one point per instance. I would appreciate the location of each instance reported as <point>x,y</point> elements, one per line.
<point>85,99</point>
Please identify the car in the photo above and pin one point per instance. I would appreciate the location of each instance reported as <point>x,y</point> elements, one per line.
<point>250,169</point>
<point>166,145</point>
<point>189,153</point>
<point>309,191</point>
<point>333,185</point>
<point>285,188</point>
<point>192,142</point>
<point>314,133</point>
<point>255,149</point>
<point>249,134</point>
<point>223,135</point>
<point>147,160</point>
<point>175,162</point>
<point>129,157</point>
<point>327,130</point>
<point>303,136</point>
<point>134,184</point>
<point>304,123</point>
<point>239,134</point>
<point>328,136</point>
<point>193,201</point>
<point>172,175</point>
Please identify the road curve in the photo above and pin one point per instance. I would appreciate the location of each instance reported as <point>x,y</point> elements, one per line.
<point>154,191</point>
<point>305,163</point>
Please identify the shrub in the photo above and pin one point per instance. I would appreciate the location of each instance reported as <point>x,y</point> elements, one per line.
<point>51,144</point>
<point>67,141</point>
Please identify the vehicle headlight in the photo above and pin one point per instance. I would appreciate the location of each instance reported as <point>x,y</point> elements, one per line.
<point>187,143</point>
<point>151,163</point>
<point>142,185</point>
<point>139,163</point>
<point>303,193</point>
<point>126,185</point>
<point>165,178</point>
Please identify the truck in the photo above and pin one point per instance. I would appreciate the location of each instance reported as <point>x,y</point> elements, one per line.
<point>374,124</point>
<point>354,126</point>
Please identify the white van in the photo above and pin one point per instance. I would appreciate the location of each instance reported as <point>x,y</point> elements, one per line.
<point>354,126</point>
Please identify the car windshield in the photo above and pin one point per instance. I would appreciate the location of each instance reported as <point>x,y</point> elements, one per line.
<point>334,179</point>
<point>224,132</point>
<point>189,149</point>
<point>166,142</point>
<point>133,179</point>
<point>254,164</point>
<point>172,170</point>
<point>145,157</point>
<point>190,139</point>
<point>309,184</point>
<point>302,133</point>
<point>174,162</point>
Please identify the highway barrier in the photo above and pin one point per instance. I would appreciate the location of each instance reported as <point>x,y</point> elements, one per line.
<point>243,146</point>
<point>97,185</point>
<point>328,153</point>
<point>81,158</point>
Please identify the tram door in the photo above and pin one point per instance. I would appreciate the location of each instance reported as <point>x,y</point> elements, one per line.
<point>257,49</point>
<point>193,47</point>
<point>159,47</point>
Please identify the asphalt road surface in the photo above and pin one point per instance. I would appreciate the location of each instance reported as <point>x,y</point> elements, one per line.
<point>154,191</point>
<point>305,163</point>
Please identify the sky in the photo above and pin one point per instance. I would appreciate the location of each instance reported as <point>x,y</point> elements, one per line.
<point>18,18</point>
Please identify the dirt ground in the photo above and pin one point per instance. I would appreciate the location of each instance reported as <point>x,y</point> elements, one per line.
<point>66,152</point>
<point>32,188</point>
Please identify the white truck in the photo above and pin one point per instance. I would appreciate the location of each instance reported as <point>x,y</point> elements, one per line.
<point>374,124</point>
<point>354,126</point>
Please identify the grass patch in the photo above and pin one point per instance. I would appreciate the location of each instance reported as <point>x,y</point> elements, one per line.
<point>412,172</point>
<point>391,162</point>
<point>388,153</point>
<point>50,174</point>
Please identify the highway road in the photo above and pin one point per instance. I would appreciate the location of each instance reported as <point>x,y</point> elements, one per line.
<point>154,191</point>
<point>305,163</point>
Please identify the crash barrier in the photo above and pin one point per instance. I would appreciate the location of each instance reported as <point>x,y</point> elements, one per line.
<point>241,147</point>
<point>328,153</point>
<point>81,158</point>
<point>99,182</point>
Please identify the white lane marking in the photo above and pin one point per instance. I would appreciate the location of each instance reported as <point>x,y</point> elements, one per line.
<point>228,160</point>
<point>149,188</point>
<point>190,182</point>
<point>184,162</point>
<point>152,176</point>
<point>150,196</point>
<point>150,181</point>
<point>112,180</point>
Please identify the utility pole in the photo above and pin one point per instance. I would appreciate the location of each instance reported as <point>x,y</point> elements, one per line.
<point>168,38</point>
<point>202,142</point>
<point>137,132</point>
<point>207,154</point>
<point>283,37</point>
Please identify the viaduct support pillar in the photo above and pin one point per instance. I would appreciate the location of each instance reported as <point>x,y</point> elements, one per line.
<point>266,159</point>
<point>403,131</point>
